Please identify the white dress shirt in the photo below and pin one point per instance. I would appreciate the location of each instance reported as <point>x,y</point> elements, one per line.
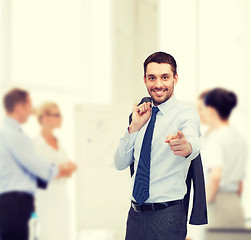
<point>168,172</point>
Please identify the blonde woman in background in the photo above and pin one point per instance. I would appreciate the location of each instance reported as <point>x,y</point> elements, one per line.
<point>53,205</point>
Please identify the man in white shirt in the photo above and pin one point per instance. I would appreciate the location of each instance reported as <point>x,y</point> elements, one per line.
<point>161,141</point>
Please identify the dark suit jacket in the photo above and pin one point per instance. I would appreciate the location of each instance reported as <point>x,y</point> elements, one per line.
<point>42,184</point>
<point>195,174</point>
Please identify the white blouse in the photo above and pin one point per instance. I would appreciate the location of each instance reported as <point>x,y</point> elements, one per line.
<point>57,190</point>
<point>227,149</point>
<point>53,204</point>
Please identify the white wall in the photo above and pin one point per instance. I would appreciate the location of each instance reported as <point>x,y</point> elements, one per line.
<point>97,50</point>
<point>178,36</point>
<point>58,50</point>
<point>135,36</point>
<point>45,44</point>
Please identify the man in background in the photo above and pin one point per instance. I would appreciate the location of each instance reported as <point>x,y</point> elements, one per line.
<point>21,168</point>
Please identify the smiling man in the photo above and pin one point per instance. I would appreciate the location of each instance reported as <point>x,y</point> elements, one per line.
<point>161,140</point>
<point>160,81</point>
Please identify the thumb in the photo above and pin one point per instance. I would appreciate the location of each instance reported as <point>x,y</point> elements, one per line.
<point>180,135</point>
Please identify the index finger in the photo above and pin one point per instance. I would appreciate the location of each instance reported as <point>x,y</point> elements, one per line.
<point>175,142</point>
<point>170,137</point>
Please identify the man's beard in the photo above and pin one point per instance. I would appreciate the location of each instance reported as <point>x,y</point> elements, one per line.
<point>158,100</point>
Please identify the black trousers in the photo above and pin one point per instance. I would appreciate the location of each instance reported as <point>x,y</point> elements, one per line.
<point>15,211</point>
<point>167,224</point>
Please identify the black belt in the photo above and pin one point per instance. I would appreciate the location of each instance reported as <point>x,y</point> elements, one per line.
<point>154,206</point>
<point>16,194</point>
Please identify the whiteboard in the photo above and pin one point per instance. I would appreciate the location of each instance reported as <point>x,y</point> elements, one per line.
<point>102,192</point>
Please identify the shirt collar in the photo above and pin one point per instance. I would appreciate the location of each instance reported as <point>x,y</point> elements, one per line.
<point>14,123</point>
<point>167,105</point>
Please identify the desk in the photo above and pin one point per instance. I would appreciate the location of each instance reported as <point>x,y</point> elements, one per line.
<point>228,234</point>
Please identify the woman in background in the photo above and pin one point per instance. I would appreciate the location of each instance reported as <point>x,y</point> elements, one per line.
<point>53,205</point>
<point>224,155</point>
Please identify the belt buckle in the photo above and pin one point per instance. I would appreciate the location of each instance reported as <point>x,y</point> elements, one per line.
<point>135,208</point>
<point>153,207</point>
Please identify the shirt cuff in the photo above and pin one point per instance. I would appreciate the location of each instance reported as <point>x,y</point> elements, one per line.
<point>130,138</point>
<point>54,171</point>
<point>195,149</point>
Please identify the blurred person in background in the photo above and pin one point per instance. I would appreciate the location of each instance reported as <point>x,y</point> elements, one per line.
<point>53,205</point>
<point>203,112</point>
<point>22,169</point>
<point>224,155</point>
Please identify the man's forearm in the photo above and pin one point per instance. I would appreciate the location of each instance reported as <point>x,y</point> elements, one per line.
<point>124,154</point>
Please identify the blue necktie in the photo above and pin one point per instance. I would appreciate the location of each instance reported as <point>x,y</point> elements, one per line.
<point>142,178</point>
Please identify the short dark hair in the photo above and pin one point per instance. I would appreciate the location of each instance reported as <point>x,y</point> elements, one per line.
<point>161,57</point>
<point>222,100</point>
<point>14,97</point>
<point>203,94</point>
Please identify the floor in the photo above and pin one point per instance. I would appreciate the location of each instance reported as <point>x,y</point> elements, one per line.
<point>101,234</point>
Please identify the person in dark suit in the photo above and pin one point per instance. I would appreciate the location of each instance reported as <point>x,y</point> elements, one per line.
<point>161,141</point>
<point>22,170</point>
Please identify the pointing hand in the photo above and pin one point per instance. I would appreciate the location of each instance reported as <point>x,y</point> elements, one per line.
<point>179,145</point>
